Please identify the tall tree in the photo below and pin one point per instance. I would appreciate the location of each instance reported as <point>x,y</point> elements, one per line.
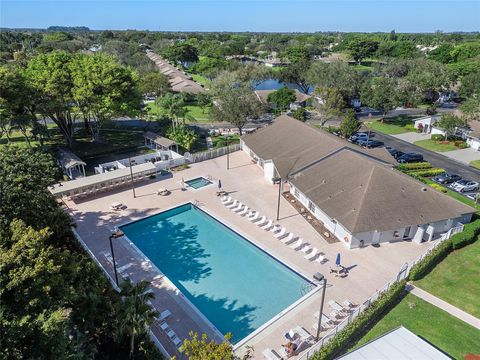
<point>361,49</point>
<point>449,123</point>
<point>154,83</point>
<point>134,314</point>
<point>349,125</point>
<point>296,73</point>
<point>205,349</point>
<point>50,76</point>
<point>181,53</point>
<point>236,105</point>
<point>282,98</point>
<point>338,75</point>
<point>102,89</point>
<point>381,94</point>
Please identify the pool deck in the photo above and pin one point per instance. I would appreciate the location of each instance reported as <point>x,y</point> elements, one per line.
<point>370,267</point>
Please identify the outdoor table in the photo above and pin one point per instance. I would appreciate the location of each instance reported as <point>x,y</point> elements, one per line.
<point>116,205</point>
<point>335,306</point>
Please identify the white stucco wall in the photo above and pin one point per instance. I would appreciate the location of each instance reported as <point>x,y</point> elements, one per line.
<point>267,165</point>
<point>474,143</point>
<point>437,131</point>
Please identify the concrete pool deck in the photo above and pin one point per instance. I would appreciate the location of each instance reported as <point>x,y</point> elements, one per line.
<point>370,267</point>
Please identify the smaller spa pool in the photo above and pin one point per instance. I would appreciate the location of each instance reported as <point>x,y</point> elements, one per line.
<point>198,182</point>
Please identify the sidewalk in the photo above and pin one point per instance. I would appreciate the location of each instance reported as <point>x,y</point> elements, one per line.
<point>452,310</point>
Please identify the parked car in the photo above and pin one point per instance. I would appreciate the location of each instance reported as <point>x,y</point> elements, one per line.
<point>464,185</point>
<point>370,143</point>
<point>410,158</point>
<point>398,154</point>
<point>391,150</point>
<point>446,178</point>
<point>355,138</point>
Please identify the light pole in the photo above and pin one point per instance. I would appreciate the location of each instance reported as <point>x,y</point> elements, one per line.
<point>279,194</point>
<point>114,235</point>
<point>228,149</point>
<point>131,177</point>
<point>318,276</point>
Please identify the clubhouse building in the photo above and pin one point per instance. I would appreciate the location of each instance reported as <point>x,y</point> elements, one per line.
<point>355,193</point>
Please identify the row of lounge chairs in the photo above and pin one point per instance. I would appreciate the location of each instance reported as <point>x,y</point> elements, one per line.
<point>279,232</point>
<point>162,322</point>
<point>338,312</point>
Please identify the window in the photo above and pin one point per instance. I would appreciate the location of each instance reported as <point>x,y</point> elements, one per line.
<point>311,207</point>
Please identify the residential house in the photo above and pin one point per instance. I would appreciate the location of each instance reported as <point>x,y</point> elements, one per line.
<point>425,124</point>
<point>300,98</point>
<point>356,193</point>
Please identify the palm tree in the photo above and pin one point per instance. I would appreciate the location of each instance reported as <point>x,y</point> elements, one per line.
<point>134,313</point>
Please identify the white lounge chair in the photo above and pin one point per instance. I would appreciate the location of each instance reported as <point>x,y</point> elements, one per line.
<point>276,228</point>
<point>164,326</point>
<point>348,304</point>
<point>253,215</point>
<point>238,207</point>
<point>270,354</point>
<point>306,249</point>
<point>227,201</point>
<point>268,225</point>
<point>288,239</point>
<point>171,334</point>
<point>321,259</point>
<point>177,342</point>
<point>281,233</point>
<point>312,254</point>
<point>297,245</point>
<point>164,315</point>
<point>260,221</point>
<point>233,205</point>
<point>244,211</point>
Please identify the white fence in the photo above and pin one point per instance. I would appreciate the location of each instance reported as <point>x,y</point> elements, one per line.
<point>211,154</point>
<point>402,274</point>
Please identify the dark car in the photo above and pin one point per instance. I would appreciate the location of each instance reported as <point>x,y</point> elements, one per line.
<point>398,154</point>
<point>410,158</point>
<point>391,150</point>
<point>370,143</point>
<point>446,178</point>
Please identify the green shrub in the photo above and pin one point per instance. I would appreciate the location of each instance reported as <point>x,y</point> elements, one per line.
<point>422,268</point>
<point>463,145</point>
<point>356,329</point>
<point>437,137</point>
<point>468,236</point>
<point>439,188</point>
<point>410,127</point>
<point>427,172</point>
<point>414,166</point>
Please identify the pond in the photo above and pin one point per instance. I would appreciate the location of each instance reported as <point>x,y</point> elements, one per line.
<point>275,84</point>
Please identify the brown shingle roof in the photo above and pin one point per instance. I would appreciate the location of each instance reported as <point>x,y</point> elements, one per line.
<point>159,140</point>
<point>365,195</point>
<point>263,95</point>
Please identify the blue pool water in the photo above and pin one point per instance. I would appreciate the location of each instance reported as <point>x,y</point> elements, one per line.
<point>198,183</point>
<point>237,286</point>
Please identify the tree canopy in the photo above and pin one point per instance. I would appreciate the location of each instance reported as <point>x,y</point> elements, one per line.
<point>282,98</point>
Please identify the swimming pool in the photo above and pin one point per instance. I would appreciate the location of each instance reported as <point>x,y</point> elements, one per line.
<point>198,182</point>
<point>234,284</point>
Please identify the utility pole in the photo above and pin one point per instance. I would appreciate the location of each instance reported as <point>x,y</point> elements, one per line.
<point>131,177</point>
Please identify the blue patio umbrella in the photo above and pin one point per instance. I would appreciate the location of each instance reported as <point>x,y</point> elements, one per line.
<point>337,261</point>
<point>219,183</point>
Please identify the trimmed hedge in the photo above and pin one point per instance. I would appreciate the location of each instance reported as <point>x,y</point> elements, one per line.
<point>439,188</point>
<point>428,263</point>
<point>355,330</point>
<point>414,166</point>
<point>468,236</point>
<point>427,172</point>
<point>437,137</point>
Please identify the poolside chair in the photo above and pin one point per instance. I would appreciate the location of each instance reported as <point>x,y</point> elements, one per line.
<point>177,342</point>
<point>171,334</point>
<point>276,228</point>
<point>227,201</point>
<point>348,304</point>
<point>233,205</point>
<point>252,215</point>
<point>297,245</point>
<point>238,207</point>
<point>282,233</point>
<point>286,240</point>
<point>321,259</point>
<point>270,354</point>
<point>244,211</point>
<point>268,225</point>
<point>164,326</point>
<point>312,254</point>
<point>261,221</point>
<point>164,315</point>
<point>306,249</point>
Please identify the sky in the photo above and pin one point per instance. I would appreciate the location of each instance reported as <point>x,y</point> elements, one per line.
<point>246,15</point>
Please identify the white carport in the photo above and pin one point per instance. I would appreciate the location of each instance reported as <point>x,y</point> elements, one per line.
<point>71,164</point>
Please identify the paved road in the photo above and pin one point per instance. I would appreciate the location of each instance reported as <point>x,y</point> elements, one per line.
<point>436,159</point>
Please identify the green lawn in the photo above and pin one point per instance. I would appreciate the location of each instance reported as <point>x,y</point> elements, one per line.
<point>199,114</point>
<point>201,79</point>
<point>394,125</point>
<point>475,164</point>
<point>437,146</point>
<point>444,331</point>
<point>456,280</point>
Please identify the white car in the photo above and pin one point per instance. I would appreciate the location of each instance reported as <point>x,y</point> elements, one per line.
<point>464,185</point>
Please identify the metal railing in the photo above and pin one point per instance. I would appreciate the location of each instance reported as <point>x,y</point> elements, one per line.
<point>402,274</point>
<point>211,154</point>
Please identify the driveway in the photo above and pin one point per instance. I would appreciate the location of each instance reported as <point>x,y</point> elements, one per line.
<point>463,155</point>
<point>437,159</point>
<point>411,137</point>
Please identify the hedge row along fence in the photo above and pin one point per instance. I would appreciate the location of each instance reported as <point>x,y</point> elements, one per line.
<point>414,166</point>
<point>386,301</point>
<point>354,331</point>
<point>426,172</point>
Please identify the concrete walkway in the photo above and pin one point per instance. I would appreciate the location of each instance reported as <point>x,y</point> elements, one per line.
<point>452,310</point>
<point>463,155</point>
<point>411,137</point>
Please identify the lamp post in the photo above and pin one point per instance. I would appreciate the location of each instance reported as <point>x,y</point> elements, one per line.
<point>318,276</point>
<point>279,194</point>
<point>114,235</point>
<point>131,177</point>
